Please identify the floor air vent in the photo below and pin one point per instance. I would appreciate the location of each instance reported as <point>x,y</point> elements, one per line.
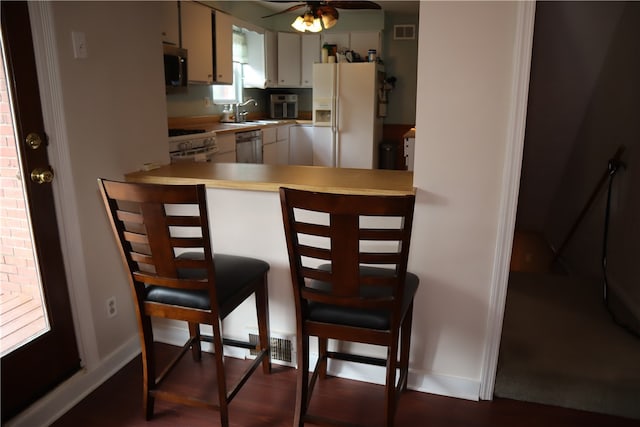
<point>281,349</point>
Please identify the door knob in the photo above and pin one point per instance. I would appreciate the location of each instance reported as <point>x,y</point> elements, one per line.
<point>41,175</point>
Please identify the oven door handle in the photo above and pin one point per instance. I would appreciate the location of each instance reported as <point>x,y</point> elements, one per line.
<point>195,154</point>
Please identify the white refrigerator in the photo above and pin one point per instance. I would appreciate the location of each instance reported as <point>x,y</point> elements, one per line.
<point>346,127</point>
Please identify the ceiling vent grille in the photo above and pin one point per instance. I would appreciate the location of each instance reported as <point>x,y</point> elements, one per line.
<point>404,32</point>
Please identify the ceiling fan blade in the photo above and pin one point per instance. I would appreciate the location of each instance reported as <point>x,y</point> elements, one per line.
<point>287,10</point>
<point>354,4</point>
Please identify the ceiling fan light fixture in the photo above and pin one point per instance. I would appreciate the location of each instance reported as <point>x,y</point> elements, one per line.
<point>307,22</point>
<point>316,27</point>
<point>299,24</point>
<point>329,21</point>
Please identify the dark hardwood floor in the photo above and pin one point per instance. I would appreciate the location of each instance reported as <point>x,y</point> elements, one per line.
<point>268,401</point>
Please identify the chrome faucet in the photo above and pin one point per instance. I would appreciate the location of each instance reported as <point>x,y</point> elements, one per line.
<point>241,116</point>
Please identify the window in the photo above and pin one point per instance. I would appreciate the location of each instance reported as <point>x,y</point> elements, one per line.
<point>230,94</point>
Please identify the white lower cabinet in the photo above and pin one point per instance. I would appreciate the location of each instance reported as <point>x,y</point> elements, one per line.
<point>275,145</point>
<point>270,154</point>
<point>322,146</point>
<point>269,149</point>
<point>282,144</point>
<point>226,143</point>
<point>301,145</point>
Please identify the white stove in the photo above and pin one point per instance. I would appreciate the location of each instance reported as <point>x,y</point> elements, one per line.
<point>191,145</point>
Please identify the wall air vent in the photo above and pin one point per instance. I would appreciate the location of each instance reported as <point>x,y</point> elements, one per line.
<point>404,32</point>
<point>282,351</point>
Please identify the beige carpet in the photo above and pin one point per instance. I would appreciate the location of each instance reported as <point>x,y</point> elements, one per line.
<point>560,347</point>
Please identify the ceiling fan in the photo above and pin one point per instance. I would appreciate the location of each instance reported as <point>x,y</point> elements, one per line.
<point>325,12</point>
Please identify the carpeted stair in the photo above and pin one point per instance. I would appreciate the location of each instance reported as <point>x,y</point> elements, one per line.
<point>561,347</point>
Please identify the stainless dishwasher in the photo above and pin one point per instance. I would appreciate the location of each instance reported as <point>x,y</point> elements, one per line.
<point>249,146</point>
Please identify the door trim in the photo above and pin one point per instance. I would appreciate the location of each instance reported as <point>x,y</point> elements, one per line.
<point>44,44</point>
<point>509,194</point>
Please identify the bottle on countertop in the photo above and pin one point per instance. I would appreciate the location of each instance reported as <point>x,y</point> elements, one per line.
<point>226,114</point>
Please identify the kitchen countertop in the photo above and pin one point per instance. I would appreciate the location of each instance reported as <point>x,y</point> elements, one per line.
<point>259,177</point>
<point>212,124</point>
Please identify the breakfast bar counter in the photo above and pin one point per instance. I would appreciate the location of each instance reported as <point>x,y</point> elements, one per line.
<point>245,217</point>
<point>259,177</point>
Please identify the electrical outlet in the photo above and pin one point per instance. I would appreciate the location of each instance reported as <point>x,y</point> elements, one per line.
<point>112,308</point>
<point>207,101</point>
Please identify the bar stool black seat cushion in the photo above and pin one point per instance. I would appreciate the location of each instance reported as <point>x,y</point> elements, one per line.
<point>363,318</point>
<point>233,274</point>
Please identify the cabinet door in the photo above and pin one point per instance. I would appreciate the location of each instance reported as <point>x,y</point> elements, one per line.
<point>270,154</point>
<point>282,144</point>
<point>301,145</point>
<point>269,135</point>
<point>196,38</point>
<point>224,48</point>
<point>310,55</point>
<point>288,60</point>
<point>271,58</point>
<point>226,142</point>
<point>323,151</point>
<point>229,157</point>
<point>170,22</point>
<point>256,77</point>
<point>362,41</point>
<point>341,40</point>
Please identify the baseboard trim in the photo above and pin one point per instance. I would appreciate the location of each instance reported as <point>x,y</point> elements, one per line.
<point>55,404</point>
<point>430,382</point>
<point>443,385</point>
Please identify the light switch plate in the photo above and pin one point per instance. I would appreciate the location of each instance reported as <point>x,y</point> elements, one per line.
<point>80,50</point>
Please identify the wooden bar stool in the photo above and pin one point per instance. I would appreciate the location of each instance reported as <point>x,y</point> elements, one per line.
<point>348,258</point>
<point>163,236</point>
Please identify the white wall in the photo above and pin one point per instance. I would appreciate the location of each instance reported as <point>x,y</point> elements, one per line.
<point>114,107</point>
<point>465,88</point>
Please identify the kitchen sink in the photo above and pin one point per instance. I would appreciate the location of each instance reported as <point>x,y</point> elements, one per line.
<point>264,122</point>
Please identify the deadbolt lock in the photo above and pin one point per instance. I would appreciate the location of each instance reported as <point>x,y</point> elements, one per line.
<point>34,140</point>
<point>41,175</point>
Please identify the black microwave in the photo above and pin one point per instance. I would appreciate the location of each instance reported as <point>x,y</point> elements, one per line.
<point>175,66</point>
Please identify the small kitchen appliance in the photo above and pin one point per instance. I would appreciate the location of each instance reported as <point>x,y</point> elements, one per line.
<point>175,67</point>
<point>284,106</point>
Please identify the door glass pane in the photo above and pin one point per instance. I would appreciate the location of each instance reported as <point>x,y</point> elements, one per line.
<point>22,313</point>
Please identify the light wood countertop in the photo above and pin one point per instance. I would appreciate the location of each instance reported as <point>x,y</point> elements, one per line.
<point>212,124</point>
<point>258,177</point>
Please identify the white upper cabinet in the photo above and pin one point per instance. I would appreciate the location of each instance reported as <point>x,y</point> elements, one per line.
<point>170,22</point>
<point>271,58</point>
<point>357,41</point>
<point>289,48</point>
<point>255,70</point>
<point>340,40</point>
<point>224,48</point>
<point>197,39</point>
<point>296,56</point>
<point>310,56</point>
<point>362,41</point>
<point>200,27</point>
